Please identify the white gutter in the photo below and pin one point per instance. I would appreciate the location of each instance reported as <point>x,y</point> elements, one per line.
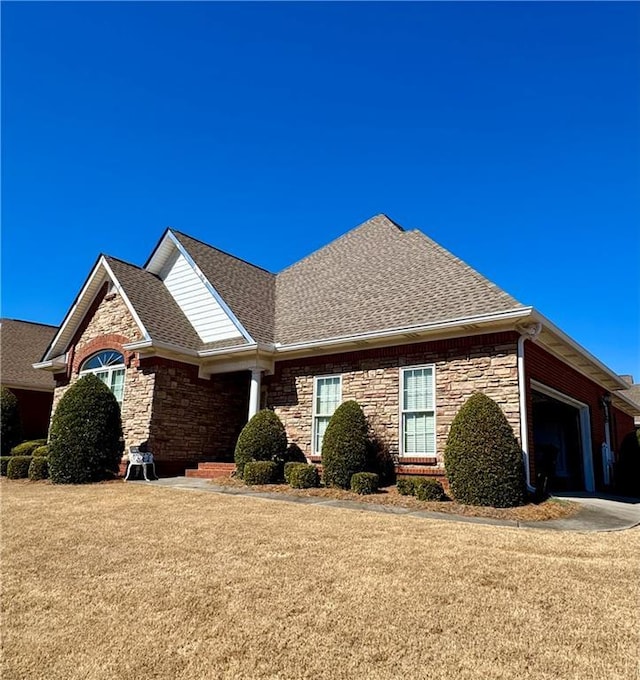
<point>55,364</point>
<point>151,344</point>
<point>529,333</point>
<point>392,332</point>
<point>240,349</point>
<point>622,385</point>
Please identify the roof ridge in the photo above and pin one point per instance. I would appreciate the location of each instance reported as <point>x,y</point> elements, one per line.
<point>224,252</point>
<point>339,238</point>
<point>468,268</point>
<point>33,323</point>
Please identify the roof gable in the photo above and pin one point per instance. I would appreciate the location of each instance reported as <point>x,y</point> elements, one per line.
<point>379,277</point>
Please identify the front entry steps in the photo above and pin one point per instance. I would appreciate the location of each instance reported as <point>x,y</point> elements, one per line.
<point>211,470</point>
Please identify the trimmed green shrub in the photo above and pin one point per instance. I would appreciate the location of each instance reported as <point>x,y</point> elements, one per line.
<point>345,444</point>
<point>10,425</point>
<point>303,476</point>
<point>427,489</point>
<point>41,451</point>
<point>4,463</point>
<point>628,467</point>
<point>380,460</point>
<point>85,441</point>
<point>260,472</point>
<point>27,448</point>
<point>262,438</point>
<point>288,467</point>
<point>365,483</point>
<point>406,486</point>
<point>482,457</point>
<point>18,467</point>
<point>39,468</point>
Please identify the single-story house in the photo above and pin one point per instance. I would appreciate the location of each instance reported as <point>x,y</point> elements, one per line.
<point>196,341</point>
<point>23,343</point>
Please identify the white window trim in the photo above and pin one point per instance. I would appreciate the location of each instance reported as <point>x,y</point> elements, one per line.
<point>109,370</point>
<point>401,412</point>
<point>316,415</point>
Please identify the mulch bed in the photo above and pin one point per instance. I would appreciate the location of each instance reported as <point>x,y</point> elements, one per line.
<point>532,512</point>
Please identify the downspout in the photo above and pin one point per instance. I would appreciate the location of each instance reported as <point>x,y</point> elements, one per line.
<point>527,333</point>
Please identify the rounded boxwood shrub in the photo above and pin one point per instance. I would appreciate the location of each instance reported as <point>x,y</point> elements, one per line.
<point>39,468</point>
<point>427,489</point>
<point>10,425</point>
<point>28,448</point>
<point>365,483</point>
<point>18,467</point>
<point>262,438</point>
<point>41,451</point>
<point>4,464</point>
<point>482,457</point>
<point>303,476</point>
<point>406,485</point>
<point>345,445</point>
<point>85,440</point>
<point>260,472</point>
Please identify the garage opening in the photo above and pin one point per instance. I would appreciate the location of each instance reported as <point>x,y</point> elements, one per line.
<point>562,441</point>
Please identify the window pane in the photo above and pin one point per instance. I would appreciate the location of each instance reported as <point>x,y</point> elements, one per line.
<point>418,389</point>
<point>321,423</point>
<point>106,358</point>
<point>327,395</point>
<point>117,384</point>
<point>419,434</point>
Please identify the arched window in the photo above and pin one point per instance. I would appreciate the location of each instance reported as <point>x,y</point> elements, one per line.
<point>107,365</point>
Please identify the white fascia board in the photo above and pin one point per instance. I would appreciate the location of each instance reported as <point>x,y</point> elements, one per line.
<point>484,319</point>
<point>236,322</point>
<point>155,344</point>
<point>622,402</point>
<point>548,325</point>
<point>56,364</point>
<point>28,387</point>
<point>240,349</point>
<point>123,295</point>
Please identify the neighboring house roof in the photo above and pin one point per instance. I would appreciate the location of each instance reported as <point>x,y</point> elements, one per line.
<point>633,393</point>
<point>249,291</point>
<point>378,277</point>
<point>22,344</point>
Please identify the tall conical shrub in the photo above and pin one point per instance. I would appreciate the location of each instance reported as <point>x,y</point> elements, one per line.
<point>345,445</point>
<point>85,441</point>
<point>262,438</point>
<point>11,432</point>
<point>482,458</point>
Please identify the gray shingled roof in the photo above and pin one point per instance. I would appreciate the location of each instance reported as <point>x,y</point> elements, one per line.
<point>249,291</point>
<point>376,277</point>
<point>22,344</point>
<point>158,311</point>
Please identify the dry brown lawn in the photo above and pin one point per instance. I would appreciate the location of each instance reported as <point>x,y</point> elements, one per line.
<point>126,581</point>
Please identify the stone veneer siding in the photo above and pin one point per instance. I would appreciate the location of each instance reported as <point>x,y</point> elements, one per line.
<point>486,363</point>
<point>194,419</point>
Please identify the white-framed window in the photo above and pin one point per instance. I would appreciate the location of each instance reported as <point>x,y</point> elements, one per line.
<point>107,365</point>
<point>417,412</point>
<point>327,396</point>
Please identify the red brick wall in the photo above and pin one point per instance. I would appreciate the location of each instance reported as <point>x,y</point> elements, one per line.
<point>35,411</point>
<point>547,369</point>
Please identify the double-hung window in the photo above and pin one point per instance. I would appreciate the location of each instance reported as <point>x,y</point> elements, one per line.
<point>417,412</point>
<point>109,367</point>
<point>327,395</point>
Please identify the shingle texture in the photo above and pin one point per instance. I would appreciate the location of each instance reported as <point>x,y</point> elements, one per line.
<point>158,311</point>
<point>379,277</point>
<point>22,344</point>
<point>249,291</point>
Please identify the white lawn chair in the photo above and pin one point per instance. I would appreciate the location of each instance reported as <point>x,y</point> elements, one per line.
<point>139,459</point>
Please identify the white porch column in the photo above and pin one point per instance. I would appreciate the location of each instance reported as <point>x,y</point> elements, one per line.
<point>254,392</point>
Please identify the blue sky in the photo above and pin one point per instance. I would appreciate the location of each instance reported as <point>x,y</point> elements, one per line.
<point>508,132</point>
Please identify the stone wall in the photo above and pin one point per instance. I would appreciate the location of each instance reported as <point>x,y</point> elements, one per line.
<point>463,366</point>
<point>110,325</point>
<point>195,419</point>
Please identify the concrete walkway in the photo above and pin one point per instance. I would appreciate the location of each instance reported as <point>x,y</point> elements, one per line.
<point>595,514</point>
